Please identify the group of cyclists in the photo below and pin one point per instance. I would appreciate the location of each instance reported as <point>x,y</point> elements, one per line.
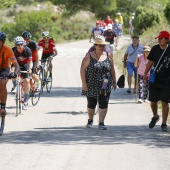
<point>110,29</point>
<point>23,57</point>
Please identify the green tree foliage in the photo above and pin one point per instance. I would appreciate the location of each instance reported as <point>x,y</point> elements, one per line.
<point>6,3</point>
<point>36,22</point>
<point>144,19</point>
<point>167,12</point>
<point>100,8</point>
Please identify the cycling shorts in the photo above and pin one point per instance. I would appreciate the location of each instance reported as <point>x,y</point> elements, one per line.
<point>5,72</point>
<point>34,66</point>
<point>45,56</point>
<point>24,67</point>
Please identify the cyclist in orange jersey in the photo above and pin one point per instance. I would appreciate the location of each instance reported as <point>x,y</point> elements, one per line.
<point>6,57</point>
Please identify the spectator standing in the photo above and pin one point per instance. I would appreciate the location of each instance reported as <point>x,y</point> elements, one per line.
<point>160,90</point>
<point>129,59</point>
<point>141,62</point>
<point>119,18</point>
<point>96,31</point>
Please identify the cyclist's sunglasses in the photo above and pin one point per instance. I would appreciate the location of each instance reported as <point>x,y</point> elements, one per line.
<point>46,37</point>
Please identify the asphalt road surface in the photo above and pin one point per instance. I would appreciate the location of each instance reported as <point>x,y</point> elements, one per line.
<point>53,136</point>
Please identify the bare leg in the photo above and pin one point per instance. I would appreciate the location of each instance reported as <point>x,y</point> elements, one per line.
<point>129,79</point>
<point>165,111</point>
<point>90,113</point>
<point>3,91</point>
<point>154,107</point>
<point>102,114</point>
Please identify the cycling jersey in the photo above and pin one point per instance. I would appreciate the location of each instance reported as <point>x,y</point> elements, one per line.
<point>51,45</point>
<point>96,31</point>
<point>23,57</point>
<point>34,48</point>
<point>6,57</point>
<point>110,36</point>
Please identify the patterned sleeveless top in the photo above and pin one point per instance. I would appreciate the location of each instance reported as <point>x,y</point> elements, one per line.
<point>95,74</point>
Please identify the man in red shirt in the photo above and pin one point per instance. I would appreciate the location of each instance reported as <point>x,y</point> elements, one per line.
<point>49,48</point>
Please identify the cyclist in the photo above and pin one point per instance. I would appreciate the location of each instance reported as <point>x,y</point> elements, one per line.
<point>35,58</point>
<point>110,35</point>
<point>23,55</point>
<point>96,31</point>
<point>6,56</point>
<point>49,49</point>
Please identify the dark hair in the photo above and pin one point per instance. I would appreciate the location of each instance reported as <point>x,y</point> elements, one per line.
<point>135,36</point>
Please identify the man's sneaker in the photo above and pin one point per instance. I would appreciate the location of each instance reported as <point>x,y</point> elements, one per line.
<point>89,123</point>
<point>2,113</point>
<point>13,90</point>
<point>129,91</point>
<point>153,121</point>
<point>164,127</point>
<point>25,106</point>
<point>102,126</point>
<point>140,101</point>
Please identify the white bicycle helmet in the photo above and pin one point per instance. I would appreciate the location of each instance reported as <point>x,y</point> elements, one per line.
<point>19,40</point>
<point>45,34</point>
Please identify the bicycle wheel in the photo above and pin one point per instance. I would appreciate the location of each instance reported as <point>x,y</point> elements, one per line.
<point>48,82</point>
<point>35,97</point>
<point>17,99</point>
<point>41,78</point>
<point>2,121</point>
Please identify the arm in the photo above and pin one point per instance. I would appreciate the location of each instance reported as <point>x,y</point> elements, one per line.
<point>37,59</point>
<point>16,65</point>
<point>55,52</point>
<point>112,71</point>
<point>84,65</point>
<point>148,67</point>
<point>137,62</point>
<point>124,61</point>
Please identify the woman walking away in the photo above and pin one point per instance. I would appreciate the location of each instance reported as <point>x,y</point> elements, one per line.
<point>141,62</point>
<point>98,77</point>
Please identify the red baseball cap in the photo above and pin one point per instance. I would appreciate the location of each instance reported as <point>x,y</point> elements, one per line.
<point>163,34</point>
<point>98,22</point>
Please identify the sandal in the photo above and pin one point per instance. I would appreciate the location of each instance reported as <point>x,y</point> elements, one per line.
<point>128,91</point>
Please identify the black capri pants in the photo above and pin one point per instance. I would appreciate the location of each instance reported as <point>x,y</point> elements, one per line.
<point>103,101</point>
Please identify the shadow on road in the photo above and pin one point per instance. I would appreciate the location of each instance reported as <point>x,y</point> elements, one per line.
<point>115,135</point>
<point>119,94</point>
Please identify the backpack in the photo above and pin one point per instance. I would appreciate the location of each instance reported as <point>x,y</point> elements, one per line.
<point>121,81</point>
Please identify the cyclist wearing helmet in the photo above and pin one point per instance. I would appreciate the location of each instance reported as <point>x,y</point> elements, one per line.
<point>6,57</point>
<point>35,58</point>
<point>49,48</point>
<point>23,55</point>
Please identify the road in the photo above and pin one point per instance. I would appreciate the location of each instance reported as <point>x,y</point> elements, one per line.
<point>53,136</point>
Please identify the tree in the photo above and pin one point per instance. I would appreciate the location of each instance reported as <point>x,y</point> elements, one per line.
<point>6,4</point>
<point>100,8</point>
<point>145,18</point>
<point>167,13</point>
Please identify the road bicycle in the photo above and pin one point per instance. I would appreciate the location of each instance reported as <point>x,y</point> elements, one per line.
<point>44,75</point>
<point>19,95</point>
<point>34,92</point>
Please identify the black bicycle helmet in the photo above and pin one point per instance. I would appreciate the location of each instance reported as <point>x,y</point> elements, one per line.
<point>26,35</point>
<point>2,36</point>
